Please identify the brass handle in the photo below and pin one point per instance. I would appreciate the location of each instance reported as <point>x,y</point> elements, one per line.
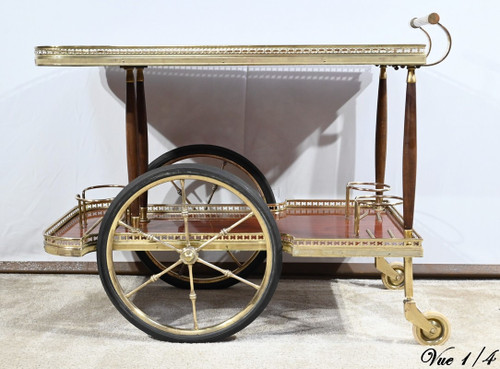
<point>432,18</point>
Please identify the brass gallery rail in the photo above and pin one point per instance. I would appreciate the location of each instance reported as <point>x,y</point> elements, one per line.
<point>231,55</point>
<point>308,228</point>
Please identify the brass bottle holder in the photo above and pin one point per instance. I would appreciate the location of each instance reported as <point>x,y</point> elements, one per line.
<point>75,233</point>
<point>378,188</point>
<point>85,204</point>
<point>378,201</point>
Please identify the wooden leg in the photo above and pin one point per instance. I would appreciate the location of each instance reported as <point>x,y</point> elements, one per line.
<point>381,129</point>
<point>381,143</point>
<point>142,138</point>
<point>142,124</point>
<point>131,132</point>
<point>409,153</point>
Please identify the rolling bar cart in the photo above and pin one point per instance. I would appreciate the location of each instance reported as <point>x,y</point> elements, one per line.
<point>204,221</point>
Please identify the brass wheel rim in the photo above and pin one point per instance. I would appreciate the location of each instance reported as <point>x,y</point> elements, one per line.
<point>196,330</point>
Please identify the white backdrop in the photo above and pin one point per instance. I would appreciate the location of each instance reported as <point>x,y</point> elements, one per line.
<point>310,129</point>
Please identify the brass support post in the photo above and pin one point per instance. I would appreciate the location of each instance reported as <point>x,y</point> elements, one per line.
<point>408,267</point>
<point>135,222</point>
<point>356,218</point>
<point>412,313</point>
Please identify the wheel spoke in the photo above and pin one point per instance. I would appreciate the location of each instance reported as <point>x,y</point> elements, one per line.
<point>234,258</point>
<point>225,231</point>
<point>185,212</point>
<point>215,187</point>
<point>224,163</point>
<point>228,273</point>
<point>192,296</point>
<point>153,278</point>
<point>179,191</point>
<point>147,236</point>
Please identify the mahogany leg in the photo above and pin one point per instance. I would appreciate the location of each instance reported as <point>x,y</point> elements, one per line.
<point>142,138</point>
<point>380,156</point>
<point>131,132</point>
<point>409,153</point>
<point>381,129</point>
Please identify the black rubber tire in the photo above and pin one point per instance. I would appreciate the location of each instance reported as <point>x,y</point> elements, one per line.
<point>222,153</point>
<point>231,326</point>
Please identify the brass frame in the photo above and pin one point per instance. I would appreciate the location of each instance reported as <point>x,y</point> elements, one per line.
<point>397,54</point>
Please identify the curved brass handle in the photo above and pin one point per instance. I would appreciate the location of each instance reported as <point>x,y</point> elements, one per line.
<point>432,18</point>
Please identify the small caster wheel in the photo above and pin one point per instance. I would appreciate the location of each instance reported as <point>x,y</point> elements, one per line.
<point>441,331</point>
<point>395,283</point>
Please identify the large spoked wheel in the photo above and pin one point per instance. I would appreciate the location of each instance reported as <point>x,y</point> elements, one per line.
<point>241,263</point>
<point>189,233</point>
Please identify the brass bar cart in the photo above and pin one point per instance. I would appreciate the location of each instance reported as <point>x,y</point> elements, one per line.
<point>207,228</point>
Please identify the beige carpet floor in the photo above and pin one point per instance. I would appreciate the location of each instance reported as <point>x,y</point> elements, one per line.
<point>67,321</point>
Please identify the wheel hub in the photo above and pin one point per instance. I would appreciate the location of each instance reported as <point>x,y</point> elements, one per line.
<point>435,332</point>
<point>400,276</point>
<point>189,255</point>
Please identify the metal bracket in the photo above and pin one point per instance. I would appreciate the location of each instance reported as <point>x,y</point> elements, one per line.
<point>384,267</point>
<point>415,316</point>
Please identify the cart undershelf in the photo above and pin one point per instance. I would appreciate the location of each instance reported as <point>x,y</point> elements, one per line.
<point>309,228</point>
